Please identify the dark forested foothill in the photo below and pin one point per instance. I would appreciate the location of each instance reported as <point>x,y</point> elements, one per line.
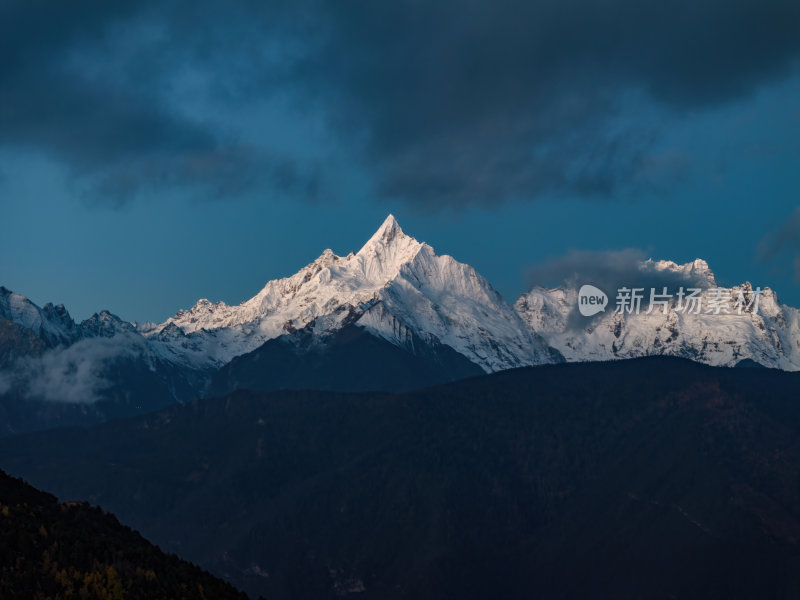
<point>54,550</point>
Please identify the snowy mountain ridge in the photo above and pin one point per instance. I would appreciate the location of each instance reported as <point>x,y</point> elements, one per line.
<point>400,290</point>
<point>767,333</point>
<point>53,323</point>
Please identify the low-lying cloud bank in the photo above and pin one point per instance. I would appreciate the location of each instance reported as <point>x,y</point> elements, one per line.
<point>74,374</point>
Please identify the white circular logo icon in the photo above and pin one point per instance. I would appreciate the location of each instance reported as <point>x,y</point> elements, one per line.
<point>591,300</point>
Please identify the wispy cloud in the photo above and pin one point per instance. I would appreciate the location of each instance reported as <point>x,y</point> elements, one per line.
<point>612,269</point>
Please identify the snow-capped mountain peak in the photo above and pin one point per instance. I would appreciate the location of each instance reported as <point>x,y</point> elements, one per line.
<point>386,251</point>
<point>395,286</point>
<point>106,324</point>
<point>327,282</point>
<point>387,232</point>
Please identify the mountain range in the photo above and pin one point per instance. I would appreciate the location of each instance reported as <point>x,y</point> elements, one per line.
<point>393,316</point>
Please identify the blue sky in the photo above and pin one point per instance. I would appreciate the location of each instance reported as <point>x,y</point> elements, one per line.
<point>156,153</point>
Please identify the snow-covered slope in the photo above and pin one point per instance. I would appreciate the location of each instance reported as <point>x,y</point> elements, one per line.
<point>394,286</point>
<point>769,336</point>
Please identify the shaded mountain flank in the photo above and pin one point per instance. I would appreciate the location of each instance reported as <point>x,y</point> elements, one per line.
<point>654,477</point>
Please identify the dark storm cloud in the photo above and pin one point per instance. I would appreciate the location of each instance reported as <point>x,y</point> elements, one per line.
<point>481,101</point>
<point>784,241</point>
<point>77,84</point>
<point>443,103</point>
